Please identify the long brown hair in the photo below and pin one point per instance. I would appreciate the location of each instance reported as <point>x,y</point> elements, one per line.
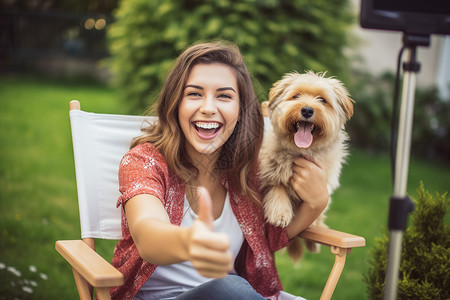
<point>238,155</point>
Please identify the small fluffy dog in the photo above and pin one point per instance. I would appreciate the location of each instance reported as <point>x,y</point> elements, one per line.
<point>308,113</point>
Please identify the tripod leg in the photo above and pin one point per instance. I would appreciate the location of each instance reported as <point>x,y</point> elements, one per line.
<point>401,178</point>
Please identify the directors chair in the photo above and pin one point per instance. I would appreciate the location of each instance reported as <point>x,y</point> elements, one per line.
<point>99,142</point>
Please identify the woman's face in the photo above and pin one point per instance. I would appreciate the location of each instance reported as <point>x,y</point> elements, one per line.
<point>209,108</point>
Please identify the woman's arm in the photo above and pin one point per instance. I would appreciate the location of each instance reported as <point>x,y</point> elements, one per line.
<point>160,242</point>
<point>310,183</point>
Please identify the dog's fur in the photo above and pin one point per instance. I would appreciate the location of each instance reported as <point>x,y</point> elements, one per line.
<point>326,105</point>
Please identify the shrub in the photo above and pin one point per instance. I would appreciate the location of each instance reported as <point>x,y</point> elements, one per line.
<point>275,36</point>
<point>370,127</point>
<point>431,124</point>
<point>425,266</point>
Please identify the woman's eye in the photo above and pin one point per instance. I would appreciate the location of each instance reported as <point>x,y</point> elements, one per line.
<point>225,96</point>
<point>193,94</point>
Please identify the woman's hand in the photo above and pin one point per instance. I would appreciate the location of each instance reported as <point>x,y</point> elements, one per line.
<point>309,181</point>
<point>162,243</point>
<point>208,251</point>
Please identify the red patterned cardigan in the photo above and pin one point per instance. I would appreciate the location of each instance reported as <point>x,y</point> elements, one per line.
<point>143,170</point>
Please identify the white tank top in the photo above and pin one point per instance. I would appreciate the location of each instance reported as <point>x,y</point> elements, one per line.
<point>169,281</point>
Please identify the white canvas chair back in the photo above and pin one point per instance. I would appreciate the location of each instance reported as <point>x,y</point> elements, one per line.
<point>99,142</point>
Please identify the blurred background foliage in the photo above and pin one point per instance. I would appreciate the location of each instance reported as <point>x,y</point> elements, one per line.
<point>275,37</point>
<point>370,127</point>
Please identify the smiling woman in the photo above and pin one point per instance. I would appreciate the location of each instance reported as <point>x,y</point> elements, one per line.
<point>195,146</point>
<point>193,222</point>
<point>237,155</point>
<point>186,183</point>
<point>209,109</point>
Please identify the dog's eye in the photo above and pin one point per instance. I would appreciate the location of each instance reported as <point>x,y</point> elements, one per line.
<point>296,96</point>
<point>321,99</point>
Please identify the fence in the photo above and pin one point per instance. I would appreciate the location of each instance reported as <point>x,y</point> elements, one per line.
<point>53,41</point>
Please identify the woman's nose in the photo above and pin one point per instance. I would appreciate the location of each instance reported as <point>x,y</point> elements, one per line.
<point>208,105</point>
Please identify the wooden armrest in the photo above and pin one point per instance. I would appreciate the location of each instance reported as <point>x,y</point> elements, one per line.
<point>330,237</point>
<point>96,270</point>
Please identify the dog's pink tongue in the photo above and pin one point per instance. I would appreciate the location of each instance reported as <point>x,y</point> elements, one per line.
<point>303,137</point>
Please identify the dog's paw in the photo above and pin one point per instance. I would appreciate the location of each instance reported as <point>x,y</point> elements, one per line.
<point>277,208</point>
<point>280,220</point>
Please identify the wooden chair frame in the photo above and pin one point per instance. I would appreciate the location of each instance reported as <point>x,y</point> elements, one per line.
<point>91,271</point>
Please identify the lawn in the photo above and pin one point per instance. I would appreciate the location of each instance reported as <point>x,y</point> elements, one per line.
<point>38,196</point>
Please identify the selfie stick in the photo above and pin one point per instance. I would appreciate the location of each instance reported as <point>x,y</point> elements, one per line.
<point>400,204</point>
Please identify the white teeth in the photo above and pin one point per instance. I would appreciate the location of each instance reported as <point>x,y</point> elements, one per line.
<point>206,125</point>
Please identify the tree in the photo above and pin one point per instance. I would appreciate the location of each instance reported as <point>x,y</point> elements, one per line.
<point>275,37</point>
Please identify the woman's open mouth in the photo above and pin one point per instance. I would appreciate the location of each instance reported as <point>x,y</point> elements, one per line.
<point>207,130</point>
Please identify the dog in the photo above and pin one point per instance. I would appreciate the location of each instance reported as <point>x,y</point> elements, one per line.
<point>308,113</point>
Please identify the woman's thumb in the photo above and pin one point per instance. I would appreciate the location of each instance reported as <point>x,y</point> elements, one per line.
<point>205,208</point>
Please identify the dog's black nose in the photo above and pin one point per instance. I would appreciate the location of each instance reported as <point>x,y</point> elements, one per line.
<point>307,112</point>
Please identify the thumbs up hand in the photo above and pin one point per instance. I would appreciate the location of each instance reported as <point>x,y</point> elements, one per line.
<point>208,251</point>
<point>205,211</point>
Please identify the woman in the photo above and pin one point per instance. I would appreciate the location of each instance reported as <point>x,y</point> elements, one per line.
<point>192,221</point>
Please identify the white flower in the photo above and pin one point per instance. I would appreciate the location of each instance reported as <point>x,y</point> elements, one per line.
<point>14,271</point>
<point>27,289</point>
<point>2,266</point>
<point>43,276</point>
<point>32,268</point>
<point>33,283</point>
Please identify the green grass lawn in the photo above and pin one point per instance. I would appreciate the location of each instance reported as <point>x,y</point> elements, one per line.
<point>38,196</point>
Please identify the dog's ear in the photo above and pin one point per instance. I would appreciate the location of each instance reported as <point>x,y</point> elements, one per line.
<point>264,107</point>
<point>279,87</point>
<point>343,98</point>
<point>347,105</point>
